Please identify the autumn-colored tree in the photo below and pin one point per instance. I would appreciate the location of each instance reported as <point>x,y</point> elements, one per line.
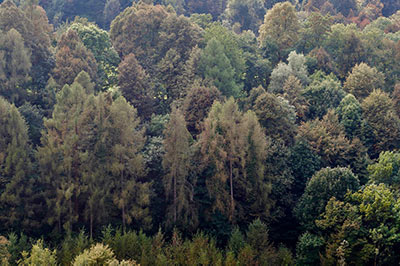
<point>362,80</point>
<point>73,57</point>
<point>132,192</point>
<point>227,139</point>
<point>31,22</point>
<point>281,25</point>
<point>197,104</point>
<point>176,162</point>
<point>161,41</point>
<point>382,121</point>
<point>249,14</point>
<point>277,116</point>
<point>135,86</point>
<point>61,156</point>
<point>327,139</point>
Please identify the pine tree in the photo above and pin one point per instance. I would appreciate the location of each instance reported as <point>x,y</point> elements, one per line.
<point>176,162</point>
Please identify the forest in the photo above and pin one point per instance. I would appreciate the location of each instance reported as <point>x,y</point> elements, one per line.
<point>199,132</point>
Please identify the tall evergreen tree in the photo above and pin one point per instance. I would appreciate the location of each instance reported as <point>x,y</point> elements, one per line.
<point>215,66</point>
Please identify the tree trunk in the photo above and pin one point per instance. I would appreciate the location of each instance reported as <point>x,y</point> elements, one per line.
<point>231,182</point>
<point>175,200</point>
<point>123,218</point>
<point>91,224</point>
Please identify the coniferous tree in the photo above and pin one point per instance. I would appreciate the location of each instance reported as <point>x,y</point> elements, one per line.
<point>61,157</point>
<point>176,162</point>
<point>132,192</point>
<point>15,65</point>
<point>15,169</point>
<point>226,142</point>
<point>215,65</point>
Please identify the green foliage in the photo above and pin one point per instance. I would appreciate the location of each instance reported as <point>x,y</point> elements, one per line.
<point>364,220</point>
<point>308,249</point>
<point>15,168</point>
<point>231,48</point>
<point>323,93</point>
<point>350,115</point>
<point>386,170</point>
<point>324,184</point>
<point>98,42</point>
<point>96,255</point>
<point>248,14</point>
<point>215,65</point>
<point>363,80</point>
<point>277,116</point>
<point>15,66</point>
<point>344,44</point>
<point>71,247</point>
<point>38,255</point>
<point>296,67</point>
<point>316,84</point>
